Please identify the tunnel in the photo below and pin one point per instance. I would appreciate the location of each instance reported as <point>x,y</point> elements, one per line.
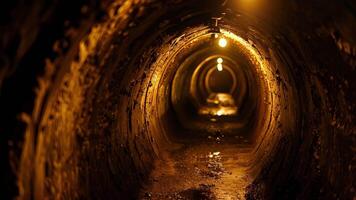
<point>151,99</point>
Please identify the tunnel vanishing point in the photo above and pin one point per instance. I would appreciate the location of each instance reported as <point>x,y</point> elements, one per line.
<point>174,99</point>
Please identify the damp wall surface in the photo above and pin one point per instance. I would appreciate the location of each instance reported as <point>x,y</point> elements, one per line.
<point>85,94</point>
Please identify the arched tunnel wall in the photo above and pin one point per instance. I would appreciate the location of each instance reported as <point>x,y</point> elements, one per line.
<point>85,95</point>
<point>190,76</point>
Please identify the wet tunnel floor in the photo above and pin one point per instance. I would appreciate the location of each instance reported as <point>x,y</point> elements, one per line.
<point>211,169</point>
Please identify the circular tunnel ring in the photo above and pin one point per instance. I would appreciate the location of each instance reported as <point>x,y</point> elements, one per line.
<point>231,72</point>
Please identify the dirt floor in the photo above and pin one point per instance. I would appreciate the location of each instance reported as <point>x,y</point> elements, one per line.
<point>212,168</point>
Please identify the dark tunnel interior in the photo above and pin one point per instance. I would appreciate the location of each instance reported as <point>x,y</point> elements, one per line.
<point>198,99</point>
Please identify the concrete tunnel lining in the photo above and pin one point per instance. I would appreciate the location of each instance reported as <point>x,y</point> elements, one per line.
<point>135,114</point>
<point>187,78</point>
<point>236,72</point>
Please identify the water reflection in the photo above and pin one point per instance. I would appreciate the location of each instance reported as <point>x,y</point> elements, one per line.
<point>219,104</point>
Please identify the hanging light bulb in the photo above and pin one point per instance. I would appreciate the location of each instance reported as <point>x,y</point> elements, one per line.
<point>219,67</point>
<point>219,60</point>
<point>222,42</point>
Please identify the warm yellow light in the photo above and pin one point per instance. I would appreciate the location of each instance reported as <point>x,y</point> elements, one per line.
<point>220,67</point>
<point>219,60</point>
<point>222,42</point>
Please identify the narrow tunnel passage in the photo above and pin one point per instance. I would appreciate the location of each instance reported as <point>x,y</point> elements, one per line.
<point>213,99</point>
<point>209,159</point>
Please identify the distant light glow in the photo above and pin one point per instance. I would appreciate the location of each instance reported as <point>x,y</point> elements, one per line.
<point>222,42</point>
<point>219,67</point>
<point>219,113</point>
<point>219,60</point>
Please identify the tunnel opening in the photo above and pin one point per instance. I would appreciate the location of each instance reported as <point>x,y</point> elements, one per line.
<point>193,108</point>
<point>181,100</point>
<point>220,80</point>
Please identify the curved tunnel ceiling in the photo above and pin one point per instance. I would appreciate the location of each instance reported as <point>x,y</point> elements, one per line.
<point>102,100</point>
